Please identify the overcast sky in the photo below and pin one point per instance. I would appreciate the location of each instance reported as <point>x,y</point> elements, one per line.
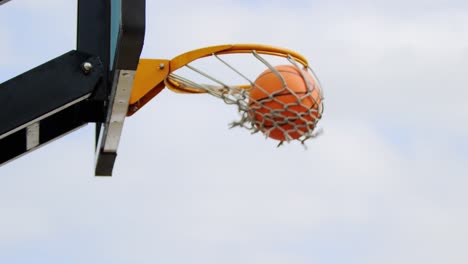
<point>386,182</point>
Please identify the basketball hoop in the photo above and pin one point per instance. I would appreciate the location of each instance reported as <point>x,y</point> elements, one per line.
<point>284,102</point>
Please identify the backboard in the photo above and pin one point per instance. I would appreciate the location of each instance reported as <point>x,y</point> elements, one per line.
<point>90,84</point>
<point>122,36</point>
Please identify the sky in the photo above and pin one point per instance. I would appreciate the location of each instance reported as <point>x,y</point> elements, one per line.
<point>385,183</point>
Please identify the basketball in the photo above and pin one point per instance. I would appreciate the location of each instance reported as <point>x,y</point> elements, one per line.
<point>279,111</point>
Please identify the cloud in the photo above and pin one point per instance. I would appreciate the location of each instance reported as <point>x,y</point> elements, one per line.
<point>384,183</point>
<point>386,62</point>
<point>16,227</point>
<point>33,34</point>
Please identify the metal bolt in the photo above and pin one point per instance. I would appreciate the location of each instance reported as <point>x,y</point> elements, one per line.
<point>86,67</point>
<point>133,108</point>
<point>161,66</point>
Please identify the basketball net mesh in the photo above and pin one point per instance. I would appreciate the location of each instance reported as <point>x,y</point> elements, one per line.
<point>256,115</point>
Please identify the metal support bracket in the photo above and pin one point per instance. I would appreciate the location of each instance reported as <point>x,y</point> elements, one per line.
<point>47,102</point>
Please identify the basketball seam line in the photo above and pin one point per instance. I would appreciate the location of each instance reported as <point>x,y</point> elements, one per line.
<point>278,95</point>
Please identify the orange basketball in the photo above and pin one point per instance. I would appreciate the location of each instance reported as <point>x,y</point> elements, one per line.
<point>292,109</point>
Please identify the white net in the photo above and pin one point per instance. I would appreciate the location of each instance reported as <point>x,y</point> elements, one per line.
<point>284,102</point>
